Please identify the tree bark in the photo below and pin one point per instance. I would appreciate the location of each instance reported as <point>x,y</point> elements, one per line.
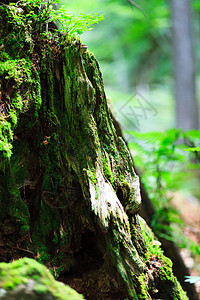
<point>69,195</point>
<point>184,66</point>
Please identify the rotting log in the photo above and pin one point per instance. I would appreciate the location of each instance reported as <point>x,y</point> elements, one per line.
<point>69,195</point>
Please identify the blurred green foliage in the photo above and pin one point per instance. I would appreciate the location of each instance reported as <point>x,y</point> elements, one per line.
<point>165,169</point>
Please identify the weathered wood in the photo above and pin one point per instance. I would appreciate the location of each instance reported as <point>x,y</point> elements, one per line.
<point>69,192</point>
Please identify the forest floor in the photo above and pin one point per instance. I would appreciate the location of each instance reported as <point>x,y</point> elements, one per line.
<point>189,208</point>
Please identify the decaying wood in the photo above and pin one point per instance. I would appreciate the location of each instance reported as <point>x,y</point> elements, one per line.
<point>90,233</point>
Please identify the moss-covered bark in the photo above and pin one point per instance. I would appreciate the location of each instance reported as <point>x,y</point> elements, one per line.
<point>69,195</point>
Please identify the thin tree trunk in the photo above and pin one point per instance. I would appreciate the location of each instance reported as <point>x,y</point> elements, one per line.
<point>184,67</point>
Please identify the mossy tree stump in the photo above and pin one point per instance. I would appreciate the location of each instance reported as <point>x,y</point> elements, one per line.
<point>69,195</point>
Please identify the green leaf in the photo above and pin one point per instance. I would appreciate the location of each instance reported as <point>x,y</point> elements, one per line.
<point>192,279</point>
<point>192,149</point>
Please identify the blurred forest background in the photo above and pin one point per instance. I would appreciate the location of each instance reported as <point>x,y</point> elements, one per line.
<point>135,53</point>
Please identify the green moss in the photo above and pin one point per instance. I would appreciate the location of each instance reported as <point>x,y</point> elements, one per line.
<point>8,285</point>
<point>17,208</point>
<point>91,173</point>
<point>43,254</point>
<point>116,250</point>
<point>125,184</point>
<point>142,279</point>
<point>107,171</point>
<point>18,40</point>
<point>24,229</point>
<point>181,293</point>
<point>153,245</point>
<point>40,289</point>
<point>11,203</point>
<point>6,137</point>
<point>20,75</point>
<point>18,165</point>
<point>125,192</point>
<point>113,249</point>
<point>22,270</point>
<point>167,282</point>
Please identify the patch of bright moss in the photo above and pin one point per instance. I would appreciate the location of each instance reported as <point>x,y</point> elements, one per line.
<point>40,289</point>
<point>20,271</point>
<point>20,75</point>
<point>153,245</point>
<point>92,175</point>
<point>107,171</point>
<point>143,284</point>
<point>168,284</point>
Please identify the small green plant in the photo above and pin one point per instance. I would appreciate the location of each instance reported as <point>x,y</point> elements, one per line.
<point>73,25</point>
<point>39,15</point>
